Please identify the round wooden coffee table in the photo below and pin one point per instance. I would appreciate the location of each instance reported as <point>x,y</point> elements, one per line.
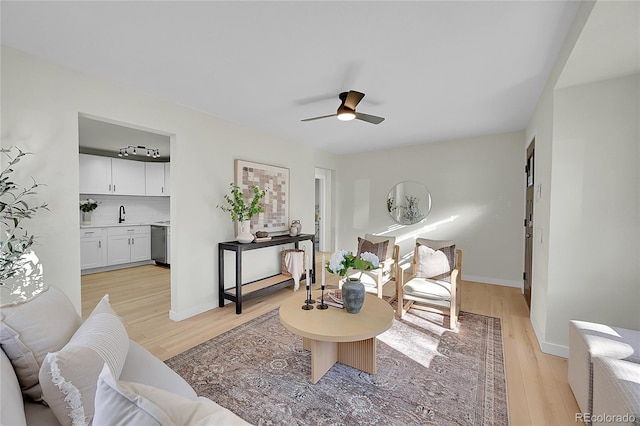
<point>333,335</point>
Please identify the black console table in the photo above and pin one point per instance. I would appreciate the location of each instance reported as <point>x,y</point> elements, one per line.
<point>256,288</point>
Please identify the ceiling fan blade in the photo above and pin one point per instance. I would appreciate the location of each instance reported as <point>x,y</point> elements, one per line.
<point>353,98</point>
<point>318,118</point>
<point>369,118</point>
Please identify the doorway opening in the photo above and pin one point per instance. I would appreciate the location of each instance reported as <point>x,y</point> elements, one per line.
<point>528,221</point>
<point>125,170</point>
<point>322,209</point>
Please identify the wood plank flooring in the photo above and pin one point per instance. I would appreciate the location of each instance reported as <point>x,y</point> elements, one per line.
<point>537,385</point>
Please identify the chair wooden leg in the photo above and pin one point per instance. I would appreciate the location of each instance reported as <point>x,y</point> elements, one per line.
<point>453,315</point>
<point>403,308</point>
<point>453,321</point>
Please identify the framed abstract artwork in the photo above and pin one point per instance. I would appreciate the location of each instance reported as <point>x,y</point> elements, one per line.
<point>273,179</point>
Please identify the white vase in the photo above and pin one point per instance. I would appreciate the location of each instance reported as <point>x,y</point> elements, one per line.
<point>86,218</point>
<point>244,236</point>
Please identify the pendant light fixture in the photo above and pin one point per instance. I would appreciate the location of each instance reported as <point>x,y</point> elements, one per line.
<point>151,152</point>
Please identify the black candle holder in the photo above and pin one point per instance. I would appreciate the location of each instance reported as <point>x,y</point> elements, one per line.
<point>308,303</point>
<point>322,305</point>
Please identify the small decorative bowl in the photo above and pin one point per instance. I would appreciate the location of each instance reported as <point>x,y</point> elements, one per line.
<point>262,234</point>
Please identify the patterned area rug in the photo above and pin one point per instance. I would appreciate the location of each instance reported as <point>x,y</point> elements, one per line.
<point>427,375</point>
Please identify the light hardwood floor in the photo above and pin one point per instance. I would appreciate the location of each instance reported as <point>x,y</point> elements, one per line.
<point>537,386</point>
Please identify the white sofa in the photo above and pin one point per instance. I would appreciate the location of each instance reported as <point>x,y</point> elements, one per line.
<point>145,391</point>
<point>604,372</point>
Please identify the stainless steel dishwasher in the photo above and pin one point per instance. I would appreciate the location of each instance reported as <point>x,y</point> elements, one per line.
<point>159,244</point>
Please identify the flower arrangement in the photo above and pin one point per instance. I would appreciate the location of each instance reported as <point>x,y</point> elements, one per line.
<point>341,261</point>
<point>88,205</point>
<point>236,206</point>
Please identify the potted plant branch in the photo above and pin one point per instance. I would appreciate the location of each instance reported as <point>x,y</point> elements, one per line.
<point>15,207</point>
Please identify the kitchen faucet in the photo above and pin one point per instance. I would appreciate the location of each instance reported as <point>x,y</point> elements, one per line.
<point>121,214</point>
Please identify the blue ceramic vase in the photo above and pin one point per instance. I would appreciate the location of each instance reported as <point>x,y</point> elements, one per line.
<point>353,295</point>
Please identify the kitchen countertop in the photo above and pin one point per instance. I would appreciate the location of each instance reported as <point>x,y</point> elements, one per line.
<point>115,225</point>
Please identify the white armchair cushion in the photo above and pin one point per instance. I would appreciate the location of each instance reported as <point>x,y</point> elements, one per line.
<point>124,403</point>
<point>68,377</point>
<point>424,288</point>
<point>30,330</point>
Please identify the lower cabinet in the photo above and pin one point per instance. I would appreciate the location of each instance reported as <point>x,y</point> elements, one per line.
<point>114,246</point>
<point>93,253</point>
<point>128,244</point>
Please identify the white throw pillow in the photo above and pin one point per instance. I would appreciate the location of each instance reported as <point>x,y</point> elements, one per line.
<point>68,377</point>
<point>431,263</point>
<point>29,330</point>
<point>124,403</point>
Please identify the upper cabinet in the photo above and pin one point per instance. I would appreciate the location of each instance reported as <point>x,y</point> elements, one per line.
<point>128,177</point>
<point>95,174</point>
<point>115,176</point>
<point>167,175</point>
<point>155,179</point>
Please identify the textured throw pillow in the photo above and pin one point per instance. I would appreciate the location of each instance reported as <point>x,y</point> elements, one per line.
<point>379,249</point>
<point>435,259</point>
<point>124,403</point>
<point>68,377</point>
<point>380,238</point>
<point>29,330</point>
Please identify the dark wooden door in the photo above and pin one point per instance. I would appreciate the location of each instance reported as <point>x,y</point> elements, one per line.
<point>528,222</point>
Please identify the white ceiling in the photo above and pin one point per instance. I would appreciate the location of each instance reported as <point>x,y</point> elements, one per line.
<point>437,70</point>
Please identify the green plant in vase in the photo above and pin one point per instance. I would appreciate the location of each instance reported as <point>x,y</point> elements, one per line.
<point>241,211</point>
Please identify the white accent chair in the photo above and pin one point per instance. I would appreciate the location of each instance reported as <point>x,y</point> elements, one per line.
<point>388,252</point>
<point>433,281</point>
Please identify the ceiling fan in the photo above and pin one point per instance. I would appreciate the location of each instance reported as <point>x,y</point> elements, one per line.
<point>347,109</point>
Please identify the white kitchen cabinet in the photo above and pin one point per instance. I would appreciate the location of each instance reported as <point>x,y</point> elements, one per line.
<point>128,244</point>
<point>155,180</point>
<point>95,174</point>
<point>141,246</point>
<point>167,180</point>
<point>127,177</point>
<point>93,253</point>
<point>114,176</point>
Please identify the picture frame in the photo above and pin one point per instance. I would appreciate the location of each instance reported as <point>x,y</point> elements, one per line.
<point>273,179</point>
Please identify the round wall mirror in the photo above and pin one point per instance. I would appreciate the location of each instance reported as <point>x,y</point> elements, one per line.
<point>409,203</point>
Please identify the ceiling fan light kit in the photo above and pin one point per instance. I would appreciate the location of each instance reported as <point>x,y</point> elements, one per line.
<point>346,114</point>
<point>347,109</point>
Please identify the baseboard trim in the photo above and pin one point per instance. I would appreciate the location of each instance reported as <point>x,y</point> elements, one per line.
<point>192,312</point>
<point>549,348</point>
<point>496,281</point>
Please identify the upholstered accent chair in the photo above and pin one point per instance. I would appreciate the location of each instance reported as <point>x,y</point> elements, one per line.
<point>388,252</point>
<point>432,283</point>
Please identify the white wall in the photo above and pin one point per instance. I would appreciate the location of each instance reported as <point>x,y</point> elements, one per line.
<point>477,190</point>
<point>594,249</point>
<point>571,131</point>
<point>40,107</point>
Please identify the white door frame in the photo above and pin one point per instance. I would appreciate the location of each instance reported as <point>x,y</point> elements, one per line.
<point>321,177</point>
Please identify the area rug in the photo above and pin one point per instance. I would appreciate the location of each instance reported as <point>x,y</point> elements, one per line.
<point>427,375</point>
